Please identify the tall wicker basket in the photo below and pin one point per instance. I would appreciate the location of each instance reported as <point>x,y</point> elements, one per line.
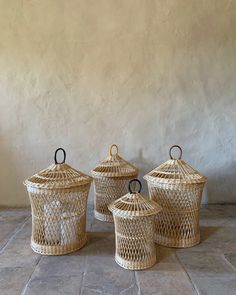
<point>134,228</point>
<point>111,178</point>
<point>58,197</point>
<point>177,188</point>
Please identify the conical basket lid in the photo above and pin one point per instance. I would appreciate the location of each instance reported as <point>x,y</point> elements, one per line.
<point>175,171</point>
<point>134,204</point>
<point>58,176</point>
<point>114,166</point>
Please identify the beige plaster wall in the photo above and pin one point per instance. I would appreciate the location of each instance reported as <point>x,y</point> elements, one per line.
<point>141,73</point>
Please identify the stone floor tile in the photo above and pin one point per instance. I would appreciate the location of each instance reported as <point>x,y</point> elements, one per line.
<point>165,279</point>
<point>13,279</point>
<point>102,244</point>
<point>231,222</point>
<point>100,226</point>
<point>210,265</point>
<point>19,255</point>
<point>17,252</point>
<point>66,265</point>
<point>90,217</point>
<point>165,254</point>
<point>54,285</point>
<point>10,221</point>
<point>231,258</point>
<point>216,215</point>
<point>86,291</point>
<point>132,290</point>
<point>226,210</point>
<point>211,274</point>
<point>7,215</point>
<point>215,239</point>
<point>205,264</point>
<point>105,276</point>
<point>225,285</point>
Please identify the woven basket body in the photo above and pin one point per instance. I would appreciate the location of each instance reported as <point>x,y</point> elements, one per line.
<point>111,178</point>
<point>134,230</point>
<point>58,197</point>
<point>177,188</point>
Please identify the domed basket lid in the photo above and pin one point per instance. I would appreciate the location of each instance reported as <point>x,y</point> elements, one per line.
<point>114,166</point>
<point>175,171</point>
<point>58,176</point>
<point>134,204</point>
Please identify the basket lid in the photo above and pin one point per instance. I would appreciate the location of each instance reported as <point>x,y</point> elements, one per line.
<point>134,204</point>
<point>175,171</point>
<point>114,166</point>
<point>58,176</point>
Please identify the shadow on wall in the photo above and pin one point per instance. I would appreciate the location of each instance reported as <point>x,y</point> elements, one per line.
<point>10,175</point>
<point>222,185</point>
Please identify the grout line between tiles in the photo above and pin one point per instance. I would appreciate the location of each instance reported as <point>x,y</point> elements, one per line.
<point>14,234</point>
<point>83,275</point>
<point>27,283</point>
<point>189,277</point>
<point>137,283</point>
<point>228,262</point>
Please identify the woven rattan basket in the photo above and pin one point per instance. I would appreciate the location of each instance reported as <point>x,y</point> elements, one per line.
<point>58,197</point>
<point>111,178</point>
<point>134,229</point>
<point>177,188</point>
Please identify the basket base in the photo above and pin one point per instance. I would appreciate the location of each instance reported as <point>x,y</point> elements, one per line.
<point>135,265</point>
<point>57,249</point>
<point>103,217</point>
<point>174,243</point>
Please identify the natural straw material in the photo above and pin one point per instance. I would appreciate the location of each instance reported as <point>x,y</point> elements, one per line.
<point>58,197</point>
<point>134,229</point>
<point>111,178</point>
<point>177,188</point>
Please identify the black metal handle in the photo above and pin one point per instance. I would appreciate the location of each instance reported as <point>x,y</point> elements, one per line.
<point>140,185</point>
<point>64,156</point>
<point>175,146</point>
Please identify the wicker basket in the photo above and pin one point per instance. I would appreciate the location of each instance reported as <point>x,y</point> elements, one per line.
<point>58,197</point>
<point>111,178</point>
<point>177,188</point>
<point>134,228</point>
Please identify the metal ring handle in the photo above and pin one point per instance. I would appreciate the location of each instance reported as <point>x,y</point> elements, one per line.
<point>64,156</point>
<point>140,185</point>
<point>175,146</point>
<point>111,147</point>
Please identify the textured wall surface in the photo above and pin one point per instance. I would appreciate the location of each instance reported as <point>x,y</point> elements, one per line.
<point>142,74</point>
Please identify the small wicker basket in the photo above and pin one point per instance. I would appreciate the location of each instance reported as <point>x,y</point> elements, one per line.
<point>134,229</point>
<point>111,178</point>
<point>177,188</point>
<point>58,197</point>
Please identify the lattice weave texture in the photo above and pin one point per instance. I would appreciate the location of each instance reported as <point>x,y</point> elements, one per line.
<point>58,197</point>
<point>134,230</point>
<point>177,188</point>
<point>111,178</point>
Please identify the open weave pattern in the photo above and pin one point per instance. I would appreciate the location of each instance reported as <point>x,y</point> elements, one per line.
<point>58,219</point>
<point>134,228</point>
<point>111,178</point>
<point>135,247</point>
<point>177,225</point>
<point>107,190</point>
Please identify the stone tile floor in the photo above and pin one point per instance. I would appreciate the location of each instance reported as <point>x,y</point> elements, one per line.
<point>209,268</point>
